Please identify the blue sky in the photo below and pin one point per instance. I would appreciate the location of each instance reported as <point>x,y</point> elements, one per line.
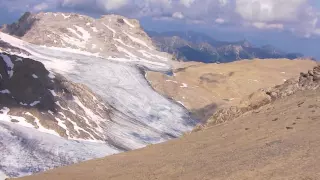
<point>292,25</point>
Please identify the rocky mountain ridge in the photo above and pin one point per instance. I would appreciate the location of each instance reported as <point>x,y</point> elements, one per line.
<point>112,36</point>
<point>194,46</point>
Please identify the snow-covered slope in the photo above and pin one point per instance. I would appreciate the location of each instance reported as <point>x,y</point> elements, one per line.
<point>114,110</point>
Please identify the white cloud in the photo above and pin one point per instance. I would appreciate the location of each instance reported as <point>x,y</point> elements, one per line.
<point>112,4</point>
<point>223,2</point>
<point>262,25</point>
<point>41,7</point>
<point>219,21</point>
<point>187,3</point>
<point>297,16</point>
<point>270,10</point>
<point>178,15</point>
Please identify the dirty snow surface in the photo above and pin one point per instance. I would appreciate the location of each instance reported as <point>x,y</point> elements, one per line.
<point>140,116</point>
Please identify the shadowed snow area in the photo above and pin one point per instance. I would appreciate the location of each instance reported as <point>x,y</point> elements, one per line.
<point>139,116</point>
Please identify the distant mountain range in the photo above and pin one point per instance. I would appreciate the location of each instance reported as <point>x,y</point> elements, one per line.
<point>194,46</point>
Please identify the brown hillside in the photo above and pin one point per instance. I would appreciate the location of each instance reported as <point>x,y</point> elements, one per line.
<point>202,88</point>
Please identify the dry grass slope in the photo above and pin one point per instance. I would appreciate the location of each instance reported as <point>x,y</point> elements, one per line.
<point>202,87</point>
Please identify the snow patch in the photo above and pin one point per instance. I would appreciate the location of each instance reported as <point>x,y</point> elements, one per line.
<point>112,30</point>
<point>65,16</point>
<point>23,104</point>
<point>35,76</point>
<point>150,55</point>
<point>52,92</point>
<point>50,112</point>
<point>88,111</point>
<point>72,111</point>
<point>184,85</point>
<point>139,41</point>
<point>9,63</point>
<point>34,103</point>
<point>58,103</point>
<point>135,60</point>
<point>128,23</point>
<point>5,91</point>
<point>94,29</point>
<point>85,34</point>
<point>18,59</point>
<point>51,75</point>
<point>168,80</point>
<point>62,125</point>
<point>180,103</point>
<point>4,116</point>
<point>75,33</point>
<point>129,54</point>
<point>40,127</point>
<point>121,42</point>
<point>64,116</point>
<point>73,41</point>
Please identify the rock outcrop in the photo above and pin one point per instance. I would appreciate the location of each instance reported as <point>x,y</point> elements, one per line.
<point>49,102</point>
<point>306,81</point>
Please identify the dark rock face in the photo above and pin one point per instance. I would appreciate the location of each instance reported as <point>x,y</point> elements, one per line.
<point>32,92</point>
<point>193,46</point>
<point>21,27</point>
<point>307,81</point>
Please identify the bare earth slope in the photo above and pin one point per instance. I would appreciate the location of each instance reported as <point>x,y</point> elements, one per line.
<point>280,140</point>
<point>200,87</point>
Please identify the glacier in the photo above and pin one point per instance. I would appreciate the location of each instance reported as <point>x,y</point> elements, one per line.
<point>140,116</point>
